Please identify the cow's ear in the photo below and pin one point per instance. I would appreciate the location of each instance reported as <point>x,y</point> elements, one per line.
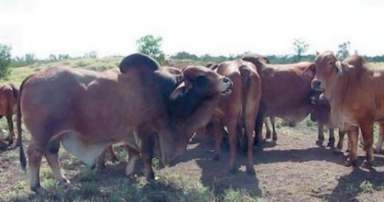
<point>212,66</point>
<point>339,67</point>
<point>179,91</point>
<point>317,53</point>
<point>310,71</point>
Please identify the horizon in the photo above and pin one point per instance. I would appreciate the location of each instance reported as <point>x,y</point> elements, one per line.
<point>44,27</point>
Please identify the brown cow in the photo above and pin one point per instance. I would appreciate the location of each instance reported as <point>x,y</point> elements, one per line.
<point>87,111</point>
<point>285,91</point>
<point>134,147</point>
<point>356,98</point>
<point>238,111</point>
<point>320,114</point>
<point>8,100</point>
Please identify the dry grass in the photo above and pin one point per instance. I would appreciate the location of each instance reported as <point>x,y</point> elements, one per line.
<point>293,170</point>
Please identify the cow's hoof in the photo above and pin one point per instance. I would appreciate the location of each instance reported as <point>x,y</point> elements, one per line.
<point>65,180</point>
<point>267,135</point>
<point>351,163</point>
<point>337,152</point>
<point>319,143</point>
<point>233,171</point>
<point>38,189</point>
<point>251,171</point>
<point>114,159</point>
<point>367,165</point>
<point>331,145</point>
<point>274,139</point>
<point>99,167</point>
<point>150,176</point>
<point>216,157</point>
<point>377,151</point>
<point>339,147</point>
<point>3,145</point>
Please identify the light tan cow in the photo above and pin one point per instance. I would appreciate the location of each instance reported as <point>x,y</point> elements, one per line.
<point>356,97</point>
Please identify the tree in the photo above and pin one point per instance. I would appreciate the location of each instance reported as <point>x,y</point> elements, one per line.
<point>300,47</point>
<point>343,50</point>
<point>5,60</point>
<point>29,58</point>
<point>52,57</point>
<point>91,54</point>
<point>151,45</point>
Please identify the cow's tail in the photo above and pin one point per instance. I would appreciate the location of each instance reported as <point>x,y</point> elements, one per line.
<point>15,91</point>
<point>23,159</point>
<point>245,73</point>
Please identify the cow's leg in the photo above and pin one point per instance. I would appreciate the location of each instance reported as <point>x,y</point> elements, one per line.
<point>232,126</point>
<point>10,127</point>
<point>216,128</point>
<point>133,156</point>
<point>352,144</point>
<point>267,129</point>
<point>147,154</point>
<point>331,140</point>
<point>380,141</point>
<point>100,164</point>
<point>274,134</point>
<point>259,125</point>
<point>112,153</point>
<point>249,130</point>
<point>341,140</point>
<point>367,133</point>
<point>52,157</point>
<point>35,153</point>
<point>320,134</point>
<point>241,137</point>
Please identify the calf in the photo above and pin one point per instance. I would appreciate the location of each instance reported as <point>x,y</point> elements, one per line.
<point>320,114</point>
<point>8,100</point>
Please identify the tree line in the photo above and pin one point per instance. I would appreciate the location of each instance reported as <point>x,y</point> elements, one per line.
<point>151,45</point>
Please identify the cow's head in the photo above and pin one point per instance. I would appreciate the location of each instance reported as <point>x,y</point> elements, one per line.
<point>202,82</point>
<point>258,60</point>
<point>194,100</point>
<point>327,68</point>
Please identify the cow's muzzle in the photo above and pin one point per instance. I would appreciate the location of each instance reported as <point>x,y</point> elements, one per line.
<point>317,86</point>
<point>227,86</point>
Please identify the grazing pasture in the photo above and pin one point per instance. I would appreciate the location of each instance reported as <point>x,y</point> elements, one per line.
<point>295,169</point>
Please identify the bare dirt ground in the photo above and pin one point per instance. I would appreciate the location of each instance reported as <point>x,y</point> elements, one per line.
<point>295,169</point>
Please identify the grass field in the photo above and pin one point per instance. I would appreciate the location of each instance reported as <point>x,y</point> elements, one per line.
<point>294,169</point>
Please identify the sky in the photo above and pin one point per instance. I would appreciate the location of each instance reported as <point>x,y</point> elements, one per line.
<point>217,27</point>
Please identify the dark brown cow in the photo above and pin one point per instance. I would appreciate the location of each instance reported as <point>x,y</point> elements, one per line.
<point>135,147</point>
<point>87,111</point>
<point>285,91</point>
<point>8,100</point>
<point>356,98</point>
<point>320,114</point>
<point>238,111</point>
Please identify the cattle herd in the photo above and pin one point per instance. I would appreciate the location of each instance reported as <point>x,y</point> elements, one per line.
<point>156,110</point>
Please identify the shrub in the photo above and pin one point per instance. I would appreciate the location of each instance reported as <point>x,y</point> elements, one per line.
<point>5,60</point>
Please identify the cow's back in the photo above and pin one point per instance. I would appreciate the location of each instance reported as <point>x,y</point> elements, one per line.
<point>7,99</point>
<point>100,106</point>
